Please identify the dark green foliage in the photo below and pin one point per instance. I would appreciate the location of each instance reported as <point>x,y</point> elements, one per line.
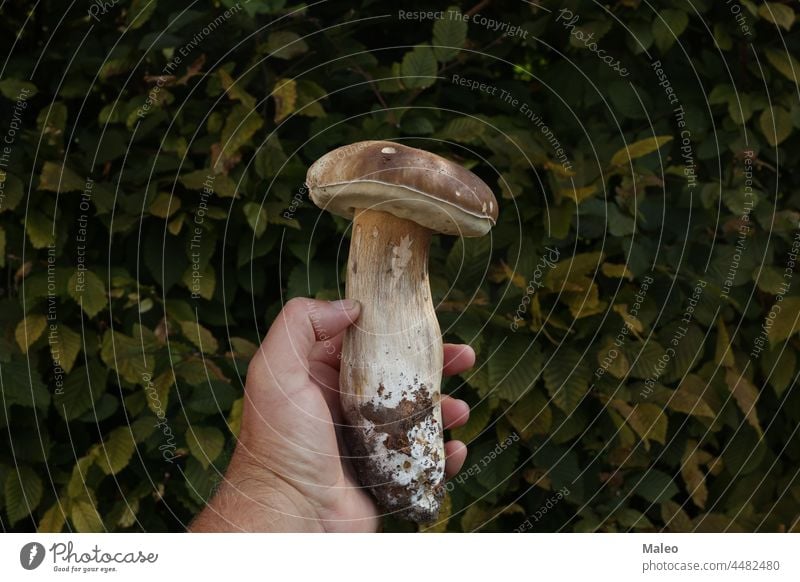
<point>635,310</point>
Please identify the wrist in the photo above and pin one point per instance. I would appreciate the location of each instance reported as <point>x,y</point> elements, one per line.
<point>253,498</point>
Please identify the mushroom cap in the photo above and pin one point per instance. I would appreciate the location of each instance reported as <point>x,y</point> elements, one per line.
<point>406,182</point>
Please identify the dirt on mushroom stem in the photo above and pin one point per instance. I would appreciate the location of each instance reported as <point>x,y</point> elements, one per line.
<point>391,367</point>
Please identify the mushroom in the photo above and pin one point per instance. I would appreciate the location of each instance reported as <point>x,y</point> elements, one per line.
<point>391,362</point>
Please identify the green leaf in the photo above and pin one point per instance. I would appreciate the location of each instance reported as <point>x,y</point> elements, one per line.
<point>208,182</point>
<point>199,336</point>
<point>239,129</point>
<point>531,415</point>
<point>449,34</point>
<point>29,330</point>
<point>89,291</point>
<point>23,492</point>
<point>85,517</point>
<point>779,365</point>
<point>140,12</point>
<point>285,44</point>
<point>479,417</point>
<point>205,443</point>
<point>15,90</point>
<point>12,190</point>
<point>775,124</point>
<point>124,354</point>
<point>23,386</point>
<point>668,26</point>
<point>59,178</point>
<point>463,130</point>
<point>639,149</point>
<point>116,451</point>
<point>419,68</point>
<point>784,63</point>
<point>39,227</point>
<point>514,367</point>
<point>566,378</point>
<point>200,481</point>
<point>82,388</point>
<point>256,216</point>
<point>653,485</point>
<point>779,14</point>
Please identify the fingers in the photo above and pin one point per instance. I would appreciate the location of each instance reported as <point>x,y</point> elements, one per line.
<point>454,412</point>
<point>297,329</point>
<point>457,358</point>
<point>455,455</point>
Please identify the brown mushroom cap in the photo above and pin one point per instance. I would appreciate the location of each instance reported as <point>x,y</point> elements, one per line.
<point>406,182</point>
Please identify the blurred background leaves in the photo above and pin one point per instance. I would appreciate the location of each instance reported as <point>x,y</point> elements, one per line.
<point>154,220</point>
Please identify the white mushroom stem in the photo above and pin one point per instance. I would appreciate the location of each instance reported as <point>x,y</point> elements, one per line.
<point>391,367</point>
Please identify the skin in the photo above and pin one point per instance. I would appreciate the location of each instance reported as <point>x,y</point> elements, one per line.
<point>288,472</point>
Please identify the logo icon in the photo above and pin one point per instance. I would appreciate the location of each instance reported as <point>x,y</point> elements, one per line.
<point>31,555</point>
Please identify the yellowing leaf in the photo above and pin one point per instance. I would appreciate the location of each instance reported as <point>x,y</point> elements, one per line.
<point>724,351</point>
<point>787,324</point>
<point>53,519</point>
<point>29,330</point>
<point>116,451</point>
<point>784,63</point>
<point>65,345</point>
<point>776,124</point>
<point>648,420</point>
<point>165,205</point>
<point>59,178</point>
<point>639,149</point>
<point>235,417</point>
<point>746,396</point>
<point>578,195</point>
<point>199,336</point>
<point>631,322</point>
<point>200,283</point>
<point>285,96</point>
<point>205,443</point>
<point>584,304</point>
<point>570,273</point>
<point>779,14</point>
<point>693,475</point>
<point>687,398</point>
<point>234,90</point>
<point>85,517</point>
<point>616,271</point>
<point>89,291</point>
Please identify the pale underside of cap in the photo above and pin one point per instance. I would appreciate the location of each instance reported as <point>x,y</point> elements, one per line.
<point>405,182</point>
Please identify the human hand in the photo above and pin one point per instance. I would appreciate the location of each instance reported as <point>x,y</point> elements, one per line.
<point>289,471</point>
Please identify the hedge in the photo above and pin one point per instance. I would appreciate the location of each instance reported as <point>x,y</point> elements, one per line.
<point>634,311</point>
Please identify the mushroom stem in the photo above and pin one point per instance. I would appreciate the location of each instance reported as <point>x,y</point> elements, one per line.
<point>391,367</point>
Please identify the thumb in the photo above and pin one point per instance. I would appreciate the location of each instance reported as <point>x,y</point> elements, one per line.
<point>301,324</point>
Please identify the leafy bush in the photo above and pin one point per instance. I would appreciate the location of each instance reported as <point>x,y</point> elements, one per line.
<point>634,310</point>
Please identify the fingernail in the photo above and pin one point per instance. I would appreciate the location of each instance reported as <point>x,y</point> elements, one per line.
<point>345,304</point>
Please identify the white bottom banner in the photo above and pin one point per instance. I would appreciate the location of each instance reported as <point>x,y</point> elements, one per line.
<point>389,557</point>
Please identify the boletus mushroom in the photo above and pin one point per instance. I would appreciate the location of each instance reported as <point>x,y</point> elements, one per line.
<point>391,363</point>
